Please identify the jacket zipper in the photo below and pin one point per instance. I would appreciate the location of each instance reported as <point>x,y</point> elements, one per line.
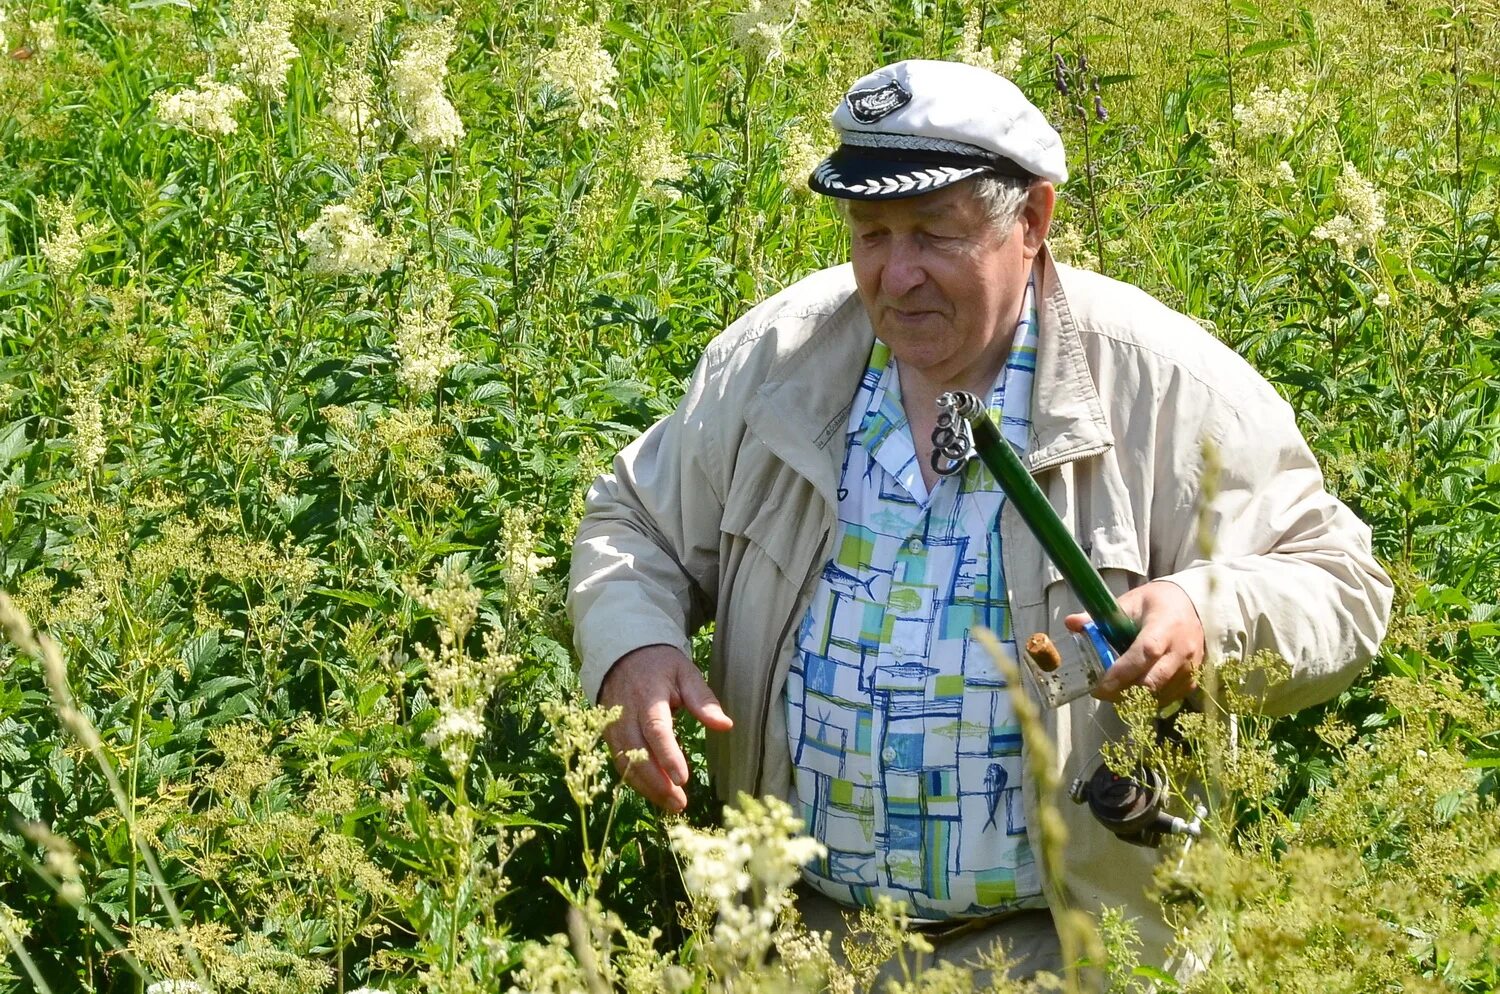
<point>765,703</point>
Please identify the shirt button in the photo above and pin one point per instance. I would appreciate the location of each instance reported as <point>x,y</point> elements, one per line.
<point>914,546</point>
<point>888,754</point>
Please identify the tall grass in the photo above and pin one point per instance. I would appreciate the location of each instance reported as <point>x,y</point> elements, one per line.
<point>295,420</point>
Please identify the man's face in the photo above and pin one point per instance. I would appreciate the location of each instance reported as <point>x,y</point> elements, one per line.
<point>943,284</point>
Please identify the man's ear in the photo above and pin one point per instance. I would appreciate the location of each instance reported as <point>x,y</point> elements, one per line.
<point>1041,197</point>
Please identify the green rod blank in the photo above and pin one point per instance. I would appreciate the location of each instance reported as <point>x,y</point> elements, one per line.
<point>1060,546</point>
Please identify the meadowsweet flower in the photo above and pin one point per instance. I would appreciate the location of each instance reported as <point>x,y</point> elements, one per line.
<point>352,17</point>
<point>207,111</point>
<point>460,684</point>
<point>548,968</point>
<point>1363,216</point>
<point>422,345</point>
<point>1382,300</point>
<point>266,56</point>
<point>522,565</point>
<point>4,42</point>
<point>89,443</point>
<point>761,28</point>
<point>745,873</point>
<point>175,987</point>
<point>1068,245</point>
<point>1284,174</point>
<point>800,155</point>
<point>577,734</point>
<point>247,763</point>
<point>9,920</point>
<point>66,244</point>
<point>417,75</point>
<point>654,160</point>
<point>580,64</point>
<point>342,243</point>
<point>351,101</point>
<point>972,49</point>
<point>43,36</point>
<point>1009,61</point>
<point>1269,113</point>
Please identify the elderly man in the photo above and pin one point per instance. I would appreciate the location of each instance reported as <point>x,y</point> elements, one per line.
<point>790,500</point>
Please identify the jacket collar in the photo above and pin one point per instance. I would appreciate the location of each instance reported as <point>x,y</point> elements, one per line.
<point>1067,416</point>
<point>802,409</point>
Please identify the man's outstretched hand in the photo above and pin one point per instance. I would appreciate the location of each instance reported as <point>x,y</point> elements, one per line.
<point>1166,656</point>
<point>649,685</point>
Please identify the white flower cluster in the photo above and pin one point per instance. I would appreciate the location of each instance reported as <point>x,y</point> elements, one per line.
<point>460,685</point>
<point>580,64</point>
<point>417,75</point>
<point>576,734</point>
<point>351,101</point>
<point>4,44</point>
<point>761,28</point>
<point>654,159</point>
<point>266,56</point>
<point>745,873</point>
<point>351,18</point>
<point>207,111</point>
<point>972,50</point>
<point>422,344</point>
<point>342,243</point>
<point>67,243</point>
<point>800,155</point>
<point>1269,113</point>
<point>1363,216</point>
<point>89,443</point>
<point>175,987</point>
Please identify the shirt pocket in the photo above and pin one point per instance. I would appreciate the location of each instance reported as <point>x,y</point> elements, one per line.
<point>778,514</point>
<point>1112,548</point>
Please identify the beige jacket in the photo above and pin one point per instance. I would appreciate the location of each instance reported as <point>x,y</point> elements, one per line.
<point>724,512</point>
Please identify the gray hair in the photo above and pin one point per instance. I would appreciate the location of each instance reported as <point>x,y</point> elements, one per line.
<point>1002,197</point>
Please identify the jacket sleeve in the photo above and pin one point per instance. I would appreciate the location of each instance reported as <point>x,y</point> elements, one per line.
<point>645,560</point>
<point>1281,565</point>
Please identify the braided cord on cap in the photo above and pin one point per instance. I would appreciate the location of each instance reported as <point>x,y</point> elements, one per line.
<point>914,143</point>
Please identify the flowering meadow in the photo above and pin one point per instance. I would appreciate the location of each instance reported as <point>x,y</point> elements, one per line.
<point>316,320</point>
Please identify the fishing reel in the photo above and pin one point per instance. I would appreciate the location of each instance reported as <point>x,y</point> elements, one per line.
<point>1132,807</point>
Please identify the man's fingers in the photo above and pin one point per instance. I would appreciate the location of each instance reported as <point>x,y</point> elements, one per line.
<point>700,701</point>
<point>661,742</point>
<point>651,783</point>
<point>634,763</point>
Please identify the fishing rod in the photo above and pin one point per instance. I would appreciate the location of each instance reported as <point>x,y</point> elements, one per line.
<point>963,425</point>
<point>1132,807</point>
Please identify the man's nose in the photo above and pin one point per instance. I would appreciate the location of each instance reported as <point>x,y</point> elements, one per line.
<point>903,270</point>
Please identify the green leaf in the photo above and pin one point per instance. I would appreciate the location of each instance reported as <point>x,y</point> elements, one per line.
<point>12,442</point>
<point>364,599</point>
<point>1266,45</point>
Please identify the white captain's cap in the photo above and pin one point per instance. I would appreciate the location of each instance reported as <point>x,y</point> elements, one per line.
<point>917,126</point>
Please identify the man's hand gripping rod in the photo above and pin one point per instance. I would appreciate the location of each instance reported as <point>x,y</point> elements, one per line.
<point>1128,806</point>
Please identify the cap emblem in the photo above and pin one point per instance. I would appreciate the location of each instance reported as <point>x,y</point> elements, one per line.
<point>869,106</point>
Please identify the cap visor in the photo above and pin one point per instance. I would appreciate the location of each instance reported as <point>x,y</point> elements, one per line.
<point>861,173</point>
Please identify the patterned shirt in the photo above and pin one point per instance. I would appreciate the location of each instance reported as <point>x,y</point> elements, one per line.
<point>906,753</point>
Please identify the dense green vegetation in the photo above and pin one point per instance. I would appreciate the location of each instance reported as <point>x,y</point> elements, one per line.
<point>316,320</point>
